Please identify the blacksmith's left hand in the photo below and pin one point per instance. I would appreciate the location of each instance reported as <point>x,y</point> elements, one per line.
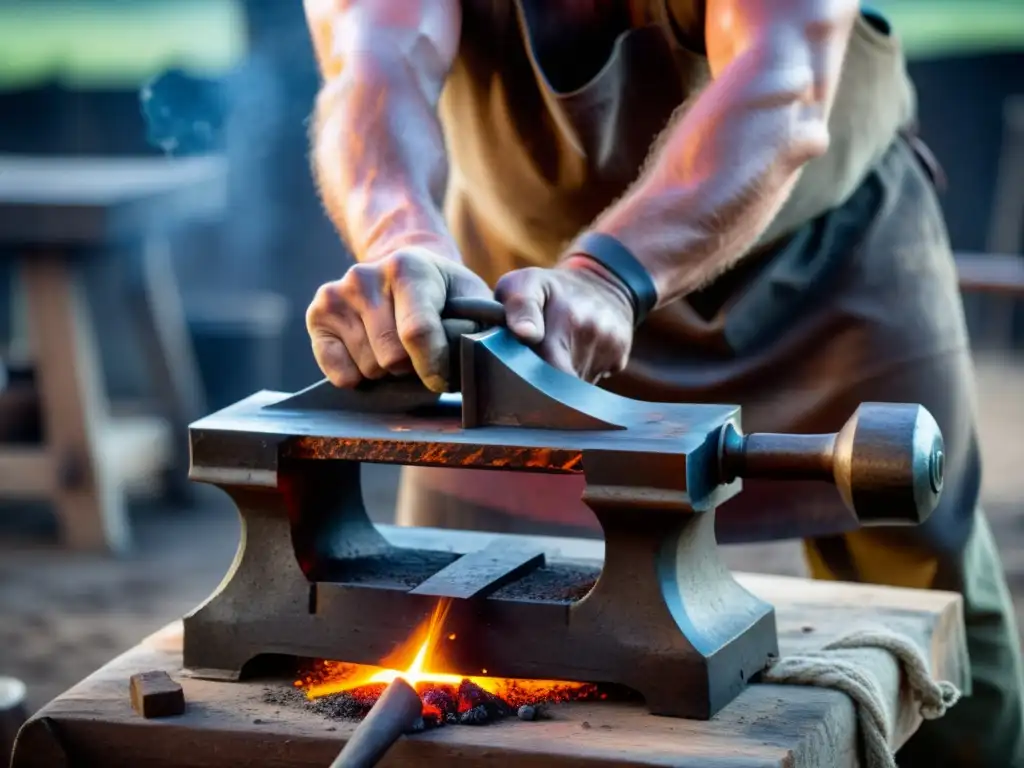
<point>577,316</point>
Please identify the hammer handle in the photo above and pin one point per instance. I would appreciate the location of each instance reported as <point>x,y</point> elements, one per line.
<point>484,312</point>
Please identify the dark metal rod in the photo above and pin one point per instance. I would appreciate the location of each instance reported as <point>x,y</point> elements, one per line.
<point>778,457</point>
<point>485,312</point>
<point>395,712</point>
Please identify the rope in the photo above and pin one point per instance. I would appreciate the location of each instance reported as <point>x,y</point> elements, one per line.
<point>826,669</point>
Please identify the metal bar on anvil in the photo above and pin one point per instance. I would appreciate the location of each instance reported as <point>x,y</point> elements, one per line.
<point>481,573</point>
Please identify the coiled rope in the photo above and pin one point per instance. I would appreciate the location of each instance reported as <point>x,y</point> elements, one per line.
<point>826,669</point>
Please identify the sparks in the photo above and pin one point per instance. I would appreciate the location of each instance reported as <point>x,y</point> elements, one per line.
<point>423,674</point>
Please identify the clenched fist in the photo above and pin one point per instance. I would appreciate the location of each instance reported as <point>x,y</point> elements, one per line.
<point>385,317</point>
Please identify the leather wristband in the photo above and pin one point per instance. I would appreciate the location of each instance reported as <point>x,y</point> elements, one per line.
<point>617,259</point>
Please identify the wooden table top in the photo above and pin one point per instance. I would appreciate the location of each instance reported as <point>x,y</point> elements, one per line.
<point>1001,274</point>
<point>91,200</point>
<point>232,724</point>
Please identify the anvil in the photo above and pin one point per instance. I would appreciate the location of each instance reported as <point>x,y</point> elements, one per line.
<point>662,615</point>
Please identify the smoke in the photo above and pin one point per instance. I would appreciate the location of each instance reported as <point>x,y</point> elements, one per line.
<point>185,115</point>
<point>246,117</point>
<point>274,236</point>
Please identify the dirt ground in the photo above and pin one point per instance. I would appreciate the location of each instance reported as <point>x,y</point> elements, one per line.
<point>63,615</point>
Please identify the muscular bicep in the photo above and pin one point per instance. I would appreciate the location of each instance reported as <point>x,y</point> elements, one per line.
<point>421,34</point>
<point>795,47</point>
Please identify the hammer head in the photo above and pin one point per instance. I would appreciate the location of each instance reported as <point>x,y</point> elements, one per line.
<point>889,462</point>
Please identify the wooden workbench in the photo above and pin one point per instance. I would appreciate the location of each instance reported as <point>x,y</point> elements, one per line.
<point>230,724</point>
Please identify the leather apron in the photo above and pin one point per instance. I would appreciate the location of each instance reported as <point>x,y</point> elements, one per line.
<point>850,296</point>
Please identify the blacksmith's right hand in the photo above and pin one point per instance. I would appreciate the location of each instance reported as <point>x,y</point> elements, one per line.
<point>384,317</point>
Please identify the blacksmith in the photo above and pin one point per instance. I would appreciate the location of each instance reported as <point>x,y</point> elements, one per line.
<point>685,200</point>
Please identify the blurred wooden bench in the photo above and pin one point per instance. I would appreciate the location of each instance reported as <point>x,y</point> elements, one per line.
<point>1000,274</point>
<point>997,272</point>
<point>54,213</point>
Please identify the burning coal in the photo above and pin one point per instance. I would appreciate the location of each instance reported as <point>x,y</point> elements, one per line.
<point>353,689</point>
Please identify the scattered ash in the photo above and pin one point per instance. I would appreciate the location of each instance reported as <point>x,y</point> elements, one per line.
<point>467,704</point>
<point>351,705</point>
<point>284,697</point>
<point>395,569</point>
<point>554,583</point>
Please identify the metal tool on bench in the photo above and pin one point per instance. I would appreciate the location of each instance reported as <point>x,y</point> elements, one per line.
<point>662,615</point>
<point>395,713</point>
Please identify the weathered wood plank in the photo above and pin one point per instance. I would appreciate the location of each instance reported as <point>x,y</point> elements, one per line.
<point>483,572</point>
<point>767,725</point>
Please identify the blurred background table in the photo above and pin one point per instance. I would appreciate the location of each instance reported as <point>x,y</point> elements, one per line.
<point>93,227</point>
<point>55,214</point>
<point>967,63</point>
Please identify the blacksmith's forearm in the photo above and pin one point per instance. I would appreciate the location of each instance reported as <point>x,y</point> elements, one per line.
<point>723,171</point>
<point>378,151</point>
<point>380,160</point>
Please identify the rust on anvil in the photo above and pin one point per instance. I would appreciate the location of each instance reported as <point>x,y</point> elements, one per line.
<point>435,454</point>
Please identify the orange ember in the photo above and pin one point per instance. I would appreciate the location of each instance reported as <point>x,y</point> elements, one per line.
<point>419,661</point>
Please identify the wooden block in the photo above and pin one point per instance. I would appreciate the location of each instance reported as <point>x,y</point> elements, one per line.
<point>155,694</point>
<point>481,573</point>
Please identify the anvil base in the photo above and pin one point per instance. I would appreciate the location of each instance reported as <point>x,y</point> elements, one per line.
<point>663,616</point>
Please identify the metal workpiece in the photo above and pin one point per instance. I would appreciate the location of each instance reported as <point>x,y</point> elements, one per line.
<point>314,577</point>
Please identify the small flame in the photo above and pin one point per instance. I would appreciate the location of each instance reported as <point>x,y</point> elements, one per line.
<point>423,674</point>
<point>346,677</point>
